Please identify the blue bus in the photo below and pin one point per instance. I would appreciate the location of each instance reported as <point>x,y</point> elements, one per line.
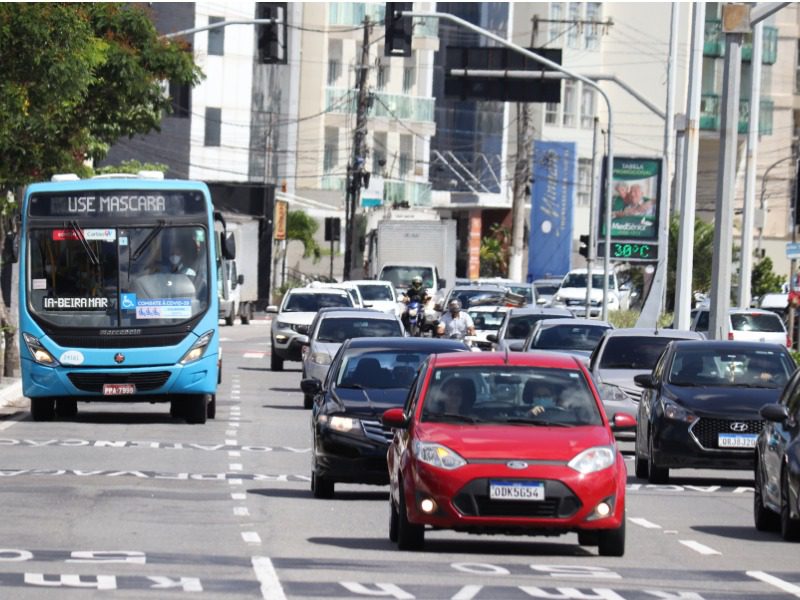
<point>118,294</point>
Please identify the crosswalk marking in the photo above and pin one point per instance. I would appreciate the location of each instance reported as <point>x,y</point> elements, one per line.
<point>254,354</point>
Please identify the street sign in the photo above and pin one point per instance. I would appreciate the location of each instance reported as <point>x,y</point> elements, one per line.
<point>792,249</point>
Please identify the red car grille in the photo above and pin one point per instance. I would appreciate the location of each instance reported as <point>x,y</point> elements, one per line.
<point>559,503</point>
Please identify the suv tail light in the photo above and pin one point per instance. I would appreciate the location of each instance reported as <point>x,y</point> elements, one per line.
<point>730,335</point>
<point>788,341</point>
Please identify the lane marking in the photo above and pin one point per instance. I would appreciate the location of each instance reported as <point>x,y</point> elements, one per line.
<point>271,588</point>
<point>251,537</point>
<point>235,467</point>
<point>774,581</point>
<point>643,523</point>
<point>253,355</point>
<point>13,420</point>
<point>238,496</point>
<point>231,432</point>
<point>231,442</point>
<point>698,547</point>
<point>235,481</point>
<point>234,424</point>
<point>234,453</point>
<point>241,511</point>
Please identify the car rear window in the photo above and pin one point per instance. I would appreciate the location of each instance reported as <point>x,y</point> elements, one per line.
<point>757,322</point>
<point>375,293</point>
<point>519,327</point>
<point>568,337</point>
<point>300,302</point>
<point>339,329</point>
<point>384,369</point>
<point>632,352</point>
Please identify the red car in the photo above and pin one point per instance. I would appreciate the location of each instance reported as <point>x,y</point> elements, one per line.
<point>507,444</point>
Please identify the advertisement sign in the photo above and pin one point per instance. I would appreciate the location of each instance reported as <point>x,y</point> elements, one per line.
<point>372,195</point>
<point>555,171</point>
<point>281,212</point>
<point>475,225</point>
<point>635,198</point>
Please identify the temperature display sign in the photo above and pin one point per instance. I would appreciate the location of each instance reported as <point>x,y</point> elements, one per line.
<point>630,251</point>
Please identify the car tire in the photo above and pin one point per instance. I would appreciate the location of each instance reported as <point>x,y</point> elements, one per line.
<point>764,518</point>
<point>588,538</point>
<point>611,542</point>
<point>321,487</point>
<point>655,474</point>
<point>246,314</point>
<point>275,361</point>
<point>308,401</point>
<point>67,408</point>
<point>211,407</point>
<point>640,464</point>
<point>410,536</point>
<point>43,409</point>
<point>393,520</point>
<point>230,318</point>
<point>196,408</point>
<point>790,527</point>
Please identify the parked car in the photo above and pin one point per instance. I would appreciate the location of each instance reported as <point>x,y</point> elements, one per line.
<point>332,327</point>
<point>289,330</point>
<point>573,336</point>
<point>367,376</point>
<point>622,354</point>
<point>470,453</point>
<point>545,289</point>
<point>379,295</point>
<point>700,405</point>
<point>487,320</point>
<point>747,324</point>
<point>518,324</point>
<point>777,470</point>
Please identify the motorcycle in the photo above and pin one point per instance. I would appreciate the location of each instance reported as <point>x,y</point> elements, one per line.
<point>415,318</point>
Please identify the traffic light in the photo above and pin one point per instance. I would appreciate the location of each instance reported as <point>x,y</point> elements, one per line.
<point>398,30</point>
<point>583,249</point>
<point>272,36</point>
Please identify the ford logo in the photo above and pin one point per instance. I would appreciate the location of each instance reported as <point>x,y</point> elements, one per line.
<point>517,465</point>
<point>739,426</point>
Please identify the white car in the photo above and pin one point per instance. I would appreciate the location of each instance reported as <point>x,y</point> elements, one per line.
<point>748,325</point>
<point>572,293</point>
<point>379,295</point>
<point>487,320</point>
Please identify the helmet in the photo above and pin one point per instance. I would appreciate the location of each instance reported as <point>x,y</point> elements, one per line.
<point>454,305</point>
<point>416,281</point>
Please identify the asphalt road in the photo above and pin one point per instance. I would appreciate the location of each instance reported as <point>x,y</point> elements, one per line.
<point>125,502</point>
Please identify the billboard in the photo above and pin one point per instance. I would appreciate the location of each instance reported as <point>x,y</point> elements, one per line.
<point>635,198</point>
<point>555,171</point>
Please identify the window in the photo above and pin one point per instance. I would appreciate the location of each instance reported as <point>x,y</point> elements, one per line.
<point>406,158</point>
<point>409,73</point>
<point>331,157</point>
<point>213,126</point>
<point>181,96</point>
<point>334,61</point>
<point>551,113</point>
<point>216,37</point>
<point>591,36</point>
<point>573,31</point>
<point>568,104</point>
<point>587,107</point>
<point>379,141</point>
<point>554,29</point>
<point>584,186</point>
<point>383,75</point>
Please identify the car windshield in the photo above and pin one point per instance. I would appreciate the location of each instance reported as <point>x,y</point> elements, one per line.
<point>751,368</point>
<point>757,322</point>
<point>568,337</point>
<point>303,302</point>
<point>578,280</point>
<point>520,326</point>
<point>546,289</point>
<point>400,277</point>
<point>633,352</point>
<point>339,329</point>
<point>495,394</point>
<point>478,297</point>
<point>486,320</point>
<point>381,369</point>
<point>376,293</point>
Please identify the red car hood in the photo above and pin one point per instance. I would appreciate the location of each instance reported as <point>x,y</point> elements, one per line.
<point>523,442</point>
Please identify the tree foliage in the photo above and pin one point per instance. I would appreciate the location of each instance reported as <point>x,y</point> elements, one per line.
<point>301,227</point>
<point>763,280</point>
<point>702,252</point>
<point>76,78</point>
<point>494,252</point>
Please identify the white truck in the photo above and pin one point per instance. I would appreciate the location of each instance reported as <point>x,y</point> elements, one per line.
<point>238,283</point>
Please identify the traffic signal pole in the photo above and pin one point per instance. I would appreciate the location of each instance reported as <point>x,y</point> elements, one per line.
<point>556,67</point>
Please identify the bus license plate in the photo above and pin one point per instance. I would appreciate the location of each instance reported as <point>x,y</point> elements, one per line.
<point>119,389</point>
<point>516,490</point>
<point>737,440</point>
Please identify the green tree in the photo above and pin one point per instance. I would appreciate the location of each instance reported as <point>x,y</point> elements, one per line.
<point>763,280</point>
<point>702,251</point>
<point>301,227</point>
<point>494,252</point>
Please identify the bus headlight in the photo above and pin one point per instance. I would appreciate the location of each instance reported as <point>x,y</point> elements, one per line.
<point>198,348</point>
<point>39,354</point>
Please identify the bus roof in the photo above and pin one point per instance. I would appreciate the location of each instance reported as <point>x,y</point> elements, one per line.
<point>132,183</point>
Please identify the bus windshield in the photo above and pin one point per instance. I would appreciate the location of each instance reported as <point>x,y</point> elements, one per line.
<point>118,276</point>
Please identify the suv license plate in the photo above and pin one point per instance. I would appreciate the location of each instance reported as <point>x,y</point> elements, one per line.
<point>734,440</point>
<point>119,389</point>
<point>516,490</point>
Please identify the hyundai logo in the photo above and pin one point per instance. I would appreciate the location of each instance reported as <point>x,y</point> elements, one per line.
<point>119,358</point>
<point>738,426</point>
<point>517,465</point>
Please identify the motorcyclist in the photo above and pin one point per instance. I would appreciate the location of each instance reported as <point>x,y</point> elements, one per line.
<point>455,323</point>
<point>415,293</point>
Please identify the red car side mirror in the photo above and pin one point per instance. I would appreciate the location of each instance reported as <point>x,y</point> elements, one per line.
<point>394,418</point>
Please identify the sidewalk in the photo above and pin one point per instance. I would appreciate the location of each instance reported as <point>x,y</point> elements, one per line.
<point>11,398</point>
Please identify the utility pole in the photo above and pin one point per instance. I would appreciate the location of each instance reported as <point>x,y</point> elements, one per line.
<point>355,169</point>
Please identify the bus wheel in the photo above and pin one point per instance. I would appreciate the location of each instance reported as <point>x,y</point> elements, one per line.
<point>175,409</point>
<point>196,407</point>
<point>43,409</point>
<point>211,409</point>
<point>67,408</point>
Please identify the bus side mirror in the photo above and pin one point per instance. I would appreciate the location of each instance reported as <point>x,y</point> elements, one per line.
<point>228,245</point>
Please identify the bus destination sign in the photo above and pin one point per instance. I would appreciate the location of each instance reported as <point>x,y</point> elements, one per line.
<point>115,203</point>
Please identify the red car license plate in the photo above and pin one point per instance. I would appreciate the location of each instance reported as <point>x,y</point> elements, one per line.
<point>119,389</point>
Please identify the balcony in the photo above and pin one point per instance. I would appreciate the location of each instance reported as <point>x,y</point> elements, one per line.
<point>351,14</point>
<point>393,106</point>
<point>416,193</point>
<point>710,105</point>
<point>714,44</point>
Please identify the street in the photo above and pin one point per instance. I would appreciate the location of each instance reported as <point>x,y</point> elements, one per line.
<point>126,502</point>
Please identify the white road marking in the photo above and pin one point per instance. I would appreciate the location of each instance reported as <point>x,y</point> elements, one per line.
<point>11,421</point>
<point>241,511</point>
<point>235,481</point>
<point>251,537</point>
<point>238,496</point>
<point>253,355</point>
<point>643,523</point>
<point>774,581</point>
<point>271,588</point>
<point>231,442</point>
<point>234,453</point>
<point>698,547</point>
<point>235,466</point>
<point>236,409</point>
<point>234,424</point>
<point>231,432</point>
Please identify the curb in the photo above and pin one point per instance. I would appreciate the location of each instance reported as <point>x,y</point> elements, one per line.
<point>11,393</point>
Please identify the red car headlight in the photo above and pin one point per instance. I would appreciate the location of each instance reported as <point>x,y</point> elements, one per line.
<point>437,455</point>
<point>594,459</point>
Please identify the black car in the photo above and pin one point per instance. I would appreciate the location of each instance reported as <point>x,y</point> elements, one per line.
<point>776,497</point>
<point>700,406</point>
<point>367,377</point>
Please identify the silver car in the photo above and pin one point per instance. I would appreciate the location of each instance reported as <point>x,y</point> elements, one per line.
<point>518,324</point>
<point>330,329</point>
<point>621,355</point>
